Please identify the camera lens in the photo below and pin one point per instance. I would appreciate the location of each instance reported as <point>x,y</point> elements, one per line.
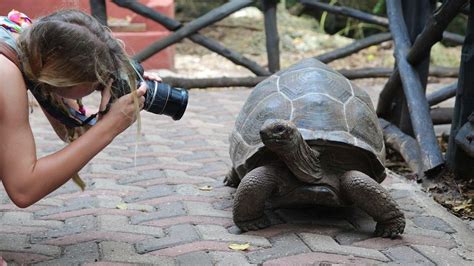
<point>161,98</point>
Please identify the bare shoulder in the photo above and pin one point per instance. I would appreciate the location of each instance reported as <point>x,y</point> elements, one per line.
<point>13,94</point>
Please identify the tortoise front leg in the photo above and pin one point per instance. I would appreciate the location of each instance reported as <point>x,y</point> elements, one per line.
<point>372,198</point>
<point>253,191</point>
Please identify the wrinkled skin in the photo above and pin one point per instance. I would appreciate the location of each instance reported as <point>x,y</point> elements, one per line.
<point>302,177</point>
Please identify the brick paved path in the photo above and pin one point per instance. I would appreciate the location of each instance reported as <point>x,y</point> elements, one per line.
<point>156,209</point>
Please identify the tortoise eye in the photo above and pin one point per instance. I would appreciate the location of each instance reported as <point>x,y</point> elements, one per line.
<point>279,129</point>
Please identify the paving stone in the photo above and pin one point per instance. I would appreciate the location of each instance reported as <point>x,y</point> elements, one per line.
<point>441,256</point>
<point>195,191</point>
<point>134,163</point>
<point>412,229</point>
<point>408,205</point>
<point>175,198</point>
<point>24,218</point>
<point>282,246</point>
<point>149,175</point>
<point>93,211</point>
<point>189,219</point>
<point>21,258</point>
<point>349,237</point>
<point>76,255</point>
<point>175,235</point>
<point>187,248</point>
<point>281,229</point>
<point>70,205</point>
<point>110,184</point>
<point>465,253</point>
<point>165,210</point>
<point>433,223</point>
<point>122,252</point>
<point>215,232</point>
<point>14,229</point>
<point>221,258</point>
<point>71,226</point>
<point>195,258</point>
<point>205,209</point>
<point>97,236</point>
<point>19,243</point>
<point>152,192</point>
<point>322,259</point>
<point>400,193</point>
<point>382,243</point>
<point>121,224</point>
<point>406,255</point>
<point>326,244</point>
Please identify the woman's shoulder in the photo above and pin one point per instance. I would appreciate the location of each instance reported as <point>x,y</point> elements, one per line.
<point>8,69</point>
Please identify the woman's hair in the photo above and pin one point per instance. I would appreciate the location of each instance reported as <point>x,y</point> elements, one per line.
<point>68,48</point>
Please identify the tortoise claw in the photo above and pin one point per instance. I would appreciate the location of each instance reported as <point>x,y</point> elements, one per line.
<point>255,224</point>
<point>391,228</point>
<point>231,179</point>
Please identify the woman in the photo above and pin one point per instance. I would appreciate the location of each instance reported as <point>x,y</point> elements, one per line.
<point>69,55</point>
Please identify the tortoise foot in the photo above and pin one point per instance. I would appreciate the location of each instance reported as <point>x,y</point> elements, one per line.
<point>391,228</point>
<point>255,224</point>
<point>231,179</point>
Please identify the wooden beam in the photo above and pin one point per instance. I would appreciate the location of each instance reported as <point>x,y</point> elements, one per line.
<point>354,47</point>
<point>458,159</point>
<point>418,107</point>
<point>271,34</point>
<point>192,27</point>
<point>202,83</point>
<point>442,94</point>
<point>369,18</point>
<point>99,11</point>
<point>206,42</point>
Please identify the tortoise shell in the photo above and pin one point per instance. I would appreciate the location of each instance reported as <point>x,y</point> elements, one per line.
<point>326,108</point>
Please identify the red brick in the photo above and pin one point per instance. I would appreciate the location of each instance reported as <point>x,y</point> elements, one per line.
<point>13,207</point>
<point>96,236</point>
<point>92,193</point>
<point>191,220</point>
<point>317,258</point>
<point>192,247</point>
<point>94,211</point>
<point>22,258</point>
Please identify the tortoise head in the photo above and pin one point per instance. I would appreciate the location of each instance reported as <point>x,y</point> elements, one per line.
<point>279,134</point>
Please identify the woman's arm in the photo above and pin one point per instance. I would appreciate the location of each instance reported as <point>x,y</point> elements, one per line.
<point>28,179</point>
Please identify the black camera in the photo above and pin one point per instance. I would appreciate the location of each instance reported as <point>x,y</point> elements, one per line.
<point>160,98</point>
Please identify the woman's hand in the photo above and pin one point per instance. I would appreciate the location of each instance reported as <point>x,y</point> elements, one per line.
<point>152,76</point>
<point>123,111</point>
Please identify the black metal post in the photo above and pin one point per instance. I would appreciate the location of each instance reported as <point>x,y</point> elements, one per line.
<point>457,158</point>
<point>271,34</point>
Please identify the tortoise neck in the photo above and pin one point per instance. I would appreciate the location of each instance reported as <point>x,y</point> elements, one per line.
<point>303,161</point>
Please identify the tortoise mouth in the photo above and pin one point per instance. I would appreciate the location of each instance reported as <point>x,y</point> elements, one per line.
<point>276,141</point>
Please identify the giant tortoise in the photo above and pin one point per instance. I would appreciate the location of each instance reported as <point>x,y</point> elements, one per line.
<point>307,136</point>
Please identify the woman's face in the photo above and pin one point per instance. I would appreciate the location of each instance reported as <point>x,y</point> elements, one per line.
<point>78,91</point>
